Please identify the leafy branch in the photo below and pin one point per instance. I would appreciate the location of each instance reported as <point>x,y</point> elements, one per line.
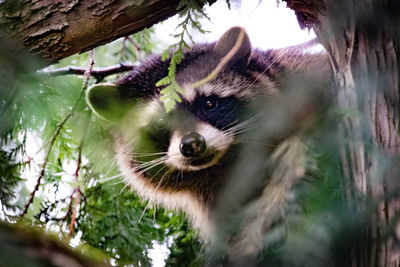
<point>192,11</point>
<point>56,133</point>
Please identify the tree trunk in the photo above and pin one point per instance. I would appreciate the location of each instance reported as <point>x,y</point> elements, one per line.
<point>362,41</point>
<point>57,29</point>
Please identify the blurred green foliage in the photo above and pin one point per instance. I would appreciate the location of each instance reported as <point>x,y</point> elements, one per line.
<point>110,217</point>
<point>126,229</point>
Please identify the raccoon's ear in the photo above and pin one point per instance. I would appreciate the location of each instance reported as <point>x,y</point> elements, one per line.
<point>235,46</point>
<point>107,102</point>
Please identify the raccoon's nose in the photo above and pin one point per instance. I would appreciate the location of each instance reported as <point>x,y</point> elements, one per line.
<point>192,145</point>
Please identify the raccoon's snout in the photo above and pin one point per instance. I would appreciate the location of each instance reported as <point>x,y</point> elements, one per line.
<point>192,145</point>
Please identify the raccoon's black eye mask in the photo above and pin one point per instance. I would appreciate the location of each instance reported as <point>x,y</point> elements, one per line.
<point>220,112</point>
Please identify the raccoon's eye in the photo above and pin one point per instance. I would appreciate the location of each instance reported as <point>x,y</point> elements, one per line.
<point>211,103</point>
<point>220,112</point>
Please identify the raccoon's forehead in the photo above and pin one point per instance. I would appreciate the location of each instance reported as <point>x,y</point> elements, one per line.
<point>226,84</point>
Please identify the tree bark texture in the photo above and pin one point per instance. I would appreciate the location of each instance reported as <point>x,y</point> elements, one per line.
<point>57,29</point>
<point>362,41</point>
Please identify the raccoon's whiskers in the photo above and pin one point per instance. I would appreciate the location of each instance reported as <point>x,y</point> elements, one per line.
<point>148,163</point>
<point>107,179</point>
<point>155,189</point>
<point>146,154</point>
<point>150,167</point>
<point>241,127</point>
<point>122,190</point>
<point>228,125</point>
<point>161,169</point>
<point>147,166</point>
<point>246,122</point>
<point>144,211</point>
<point>120,181</point>
<point>113,165</point>
<point>168,172</point>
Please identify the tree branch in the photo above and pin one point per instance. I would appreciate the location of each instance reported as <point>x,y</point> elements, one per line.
<point>57,29</point>
<point>98,73</point>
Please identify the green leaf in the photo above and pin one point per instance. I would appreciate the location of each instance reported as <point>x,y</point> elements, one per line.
<point>164,81</point>
<point>192,10</point>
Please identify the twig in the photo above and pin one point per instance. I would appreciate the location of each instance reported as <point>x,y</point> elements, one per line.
<point>55,135</point>
<point>98,73</point>
<point>42,170</point>
<point>89,70</point>
<point>69,210</point>
<point>76,190</point>
<point>79,160</point>
<point>135,46</point>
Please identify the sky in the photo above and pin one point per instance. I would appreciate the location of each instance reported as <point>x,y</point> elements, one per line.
<point>268,25</point>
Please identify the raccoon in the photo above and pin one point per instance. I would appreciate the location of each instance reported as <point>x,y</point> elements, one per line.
<point>190,158</point>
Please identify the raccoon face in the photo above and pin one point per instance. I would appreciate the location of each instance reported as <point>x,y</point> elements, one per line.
<point>189,149</point>
<point>205,132</point>
<point>192,137</point>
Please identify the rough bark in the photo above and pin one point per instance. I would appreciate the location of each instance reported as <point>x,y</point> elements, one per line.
<point>362,41</point>
<point>57,29</point>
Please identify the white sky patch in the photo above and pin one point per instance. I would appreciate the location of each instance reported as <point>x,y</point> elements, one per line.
<point>33,149</point>
<point>160,252</point>
<point>268,24</point>
<point>36,149</point>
